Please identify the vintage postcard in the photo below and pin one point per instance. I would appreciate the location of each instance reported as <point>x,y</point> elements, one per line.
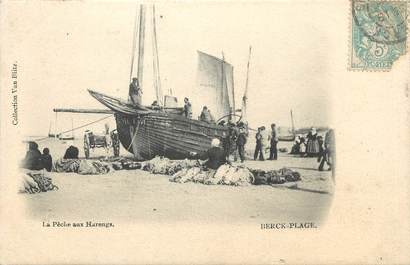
<point>204,132</point>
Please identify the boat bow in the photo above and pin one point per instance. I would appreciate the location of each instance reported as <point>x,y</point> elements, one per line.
<point>119,105</point>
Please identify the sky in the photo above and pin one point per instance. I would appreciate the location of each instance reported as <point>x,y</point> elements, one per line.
<point>65,48</point>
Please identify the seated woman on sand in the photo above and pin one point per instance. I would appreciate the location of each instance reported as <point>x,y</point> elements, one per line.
<point>32,160</point>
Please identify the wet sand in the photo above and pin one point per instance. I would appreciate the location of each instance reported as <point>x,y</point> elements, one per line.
<point>138,196</point>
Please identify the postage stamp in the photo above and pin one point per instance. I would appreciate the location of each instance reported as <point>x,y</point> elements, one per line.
<point>378,34</point>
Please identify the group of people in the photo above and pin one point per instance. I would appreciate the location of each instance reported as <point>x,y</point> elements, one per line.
<point>314,145</point>
<point>308,146</point>
<point>265,139</point>
<point>35,160</point>
<point>220,152</point>
<point>205,115</point>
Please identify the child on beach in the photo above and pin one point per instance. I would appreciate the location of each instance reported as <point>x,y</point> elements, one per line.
<point>46,159</point>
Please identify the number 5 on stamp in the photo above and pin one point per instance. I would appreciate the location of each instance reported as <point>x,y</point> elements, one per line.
<point>378,34</point>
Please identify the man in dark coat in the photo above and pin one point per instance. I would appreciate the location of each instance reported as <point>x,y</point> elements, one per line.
<point>330,150</point>
<point>258,148</point>
<point>215,155</point>
<point>241,141</point>
<point>273,143</point>
<point>135,92</point>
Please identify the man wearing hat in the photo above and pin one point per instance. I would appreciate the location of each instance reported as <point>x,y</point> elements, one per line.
<point>241,140</point>
<point>135,92</point>
<point>273,143</point>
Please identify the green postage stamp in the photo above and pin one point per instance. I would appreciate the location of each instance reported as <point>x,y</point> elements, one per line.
<point>379,34</point>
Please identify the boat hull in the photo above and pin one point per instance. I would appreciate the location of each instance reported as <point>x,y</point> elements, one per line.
<point>165,134</point>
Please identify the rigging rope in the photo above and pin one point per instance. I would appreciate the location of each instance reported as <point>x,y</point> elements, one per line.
<point>135,134</point>
<point>134,43</point>
<point>82,126</point>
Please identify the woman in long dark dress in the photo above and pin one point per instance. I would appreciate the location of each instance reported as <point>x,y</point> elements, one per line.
<point>312,147</point>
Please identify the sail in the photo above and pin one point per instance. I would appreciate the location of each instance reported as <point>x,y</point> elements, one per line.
<point>215,85</point>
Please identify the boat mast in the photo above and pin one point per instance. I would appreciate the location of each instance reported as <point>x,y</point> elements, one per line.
<point>245,94</point>
<point>157,78</point>
<point>55,127</point>
<point>293,123</point>
<point>141,46</point>
<point>72,127</point>
<point>222,80</point>
<point>134,43</point>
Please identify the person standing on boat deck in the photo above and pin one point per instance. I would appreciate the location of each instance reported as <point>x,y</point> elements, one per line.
<point>187,108</point>
<point>206,115</point>
<point>273,143</point>
<point>135,92</point>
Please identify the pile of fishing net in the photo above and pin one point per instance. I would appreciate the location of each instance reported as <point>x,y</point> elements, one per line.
<point>82,166</point>
<point>34,182</point>
<point>94,167</point>
<point>224,175</point>
<point>161,165</point>
<point>263,177</point>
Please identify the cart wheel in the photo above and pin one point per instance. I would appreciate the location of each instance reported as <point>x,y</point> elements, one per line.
<point>86,146</point>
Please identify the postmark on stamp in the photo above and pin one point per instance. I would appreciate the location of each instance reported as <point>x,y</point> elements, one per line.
<point>379,34</point>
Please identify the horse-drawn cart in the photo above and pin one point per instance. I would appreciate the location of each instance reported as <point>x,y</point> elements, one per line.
<point>107,141</point>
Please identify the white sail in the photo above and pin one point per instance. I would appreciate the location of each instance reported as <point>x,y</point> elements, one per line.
<point>215,85</point>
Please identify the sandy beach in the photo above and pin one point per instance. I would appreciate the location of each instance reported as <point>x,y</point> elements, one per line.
<point>138,196</point>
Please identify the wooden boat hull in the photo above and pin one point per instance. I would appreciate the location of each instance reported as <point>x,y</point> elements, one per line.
<point>148,133</point>
<point>168,135</point>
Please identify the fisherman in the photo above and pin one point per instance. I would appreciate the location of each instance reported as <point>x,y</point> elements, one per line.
<point>273,143</point>
<point>330,150</point>
<point>215,155</point>
<point>187,108</point>
<point>155,105</point>
<point>206,115</point>
<point>46,159</point>
<point>115,142</point>
<point>230,141</point>
<point>322,158</point>
<point>107,137</point>
<point>222,123</point>
<point>258,151</point>
<point>135,92</point>
<point>241,140</point>
<point>264,142</point>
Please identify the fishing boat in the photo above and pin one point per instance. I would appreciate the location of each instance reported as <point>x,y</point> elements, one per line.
<point>290,135</point>
<point>148,132</point>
